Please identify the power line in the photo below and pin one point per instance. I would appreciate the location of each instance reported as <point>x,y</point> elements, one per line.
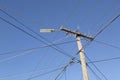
<point>102,17</point>
<point>65,67</point>
<point>97,68</point>
<point>35,69</point>
<point>70,15</point>
<point>60,74</point>
<point>59,50</point>
<point>47,69</point>
<point>12,57</point>
<point>34,37</point>
<point>71,60</point>
<point>94,36</point>
<point>104,60</point>
<point>107,44</point>
<point>21,29</point>
<point>107,25</point>
<point>100,31</point>
<point>94,72</point>
<point>22,24</point>
<point>65,74</point>
<point>24,50</point>
<point>45,73</point>
<point>104,27</point>
<point>91,41</point>
<point>43,37</point>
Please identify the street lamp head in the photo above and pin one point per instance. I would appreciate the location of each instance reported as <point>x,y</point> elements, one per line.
<point>47,30</point>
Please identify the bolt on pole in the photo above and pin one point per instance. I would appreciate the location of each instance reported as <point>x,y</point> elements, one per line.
<point>82,56</point>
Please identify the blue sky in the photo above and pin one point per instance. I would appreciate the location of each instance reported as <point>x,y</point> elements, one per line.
<point>89,15</point>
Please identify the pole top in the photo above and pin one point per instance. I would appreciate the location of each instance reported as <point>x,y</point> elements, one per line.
<point>76,33</point>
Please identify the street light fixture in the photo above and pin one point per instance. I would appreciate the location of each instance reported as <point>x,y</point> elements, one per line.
<point>47,30</point>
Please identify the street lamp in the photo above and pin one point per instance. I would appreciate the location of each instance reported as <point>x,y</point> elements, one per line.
<point>47,30</point>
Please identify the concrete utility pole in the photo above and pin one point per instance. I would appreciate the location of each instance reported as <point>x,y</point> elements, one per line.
<point>82,56</point>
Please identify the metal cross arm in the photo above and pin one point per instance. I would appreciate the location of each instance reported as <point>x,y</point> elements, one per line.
<point>76,33</point>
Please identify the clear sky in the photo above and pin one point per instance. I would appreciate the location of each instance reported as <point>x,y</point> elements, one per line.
<point>17,62</point>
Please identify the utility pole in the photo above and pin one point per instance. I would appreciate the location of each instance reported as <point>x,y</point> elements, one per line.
<point>80,48</point>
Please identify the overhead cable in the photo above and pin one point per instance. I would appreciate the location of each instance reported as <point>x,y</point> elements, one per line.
<point>94,72</point>
<point>97,68</point>
<point>36,67</point>
<point>23,50</point>
<point>104,60</point>
<point>56,47</point>
<point>61,73</point>
<point>45,73</point>
<point>47,69</point>
<point>34,37</point>
<point>65,74</point>
<point>12,57</point>
<point>72,60</point>
<point>107,25</point>
<point>100,31</point>
<point>70,15</point>
<point>65,67</point>
<point>110,45</point>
